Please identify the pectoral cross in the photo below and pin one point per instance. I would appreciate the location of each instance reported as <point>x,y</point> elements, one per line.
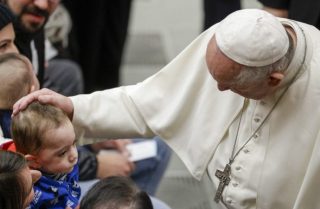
<point>224,177</point>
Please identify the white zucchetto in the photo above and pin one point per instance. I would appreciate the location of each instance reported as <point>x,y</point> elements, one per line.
<point>252,37</point>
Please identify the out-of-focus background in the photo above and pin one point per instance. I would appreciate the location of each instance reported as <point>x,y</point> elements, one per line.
<point>158,31</point>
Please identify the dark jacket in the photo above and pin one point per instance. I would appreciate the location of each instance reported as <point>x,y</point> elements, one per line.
<point>23,42</point>
<point>307,11</point>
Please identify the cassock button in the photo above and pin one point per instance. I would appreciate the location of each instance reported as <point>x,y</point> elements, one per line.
<point>246,151</point>
<point>238,168</point>
<point>257,120</point>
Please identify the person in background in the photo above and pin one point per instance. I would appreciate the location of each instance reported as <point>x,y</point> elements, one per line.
<point>29,22</point>
<point>16,181</point>
<point>307,11</point>
<point>217,10</point>
<point>110,158</point>
<point>98,39</point>
<point>7,34</point>
<point>58,57</point>
<point>115,192</point>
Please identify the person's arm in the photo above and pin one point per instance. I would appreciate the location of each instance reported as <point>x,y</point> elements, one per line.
<point>113,163</point>
<point>120,145</point>
<point>103,164</point>
<point>87,164</point>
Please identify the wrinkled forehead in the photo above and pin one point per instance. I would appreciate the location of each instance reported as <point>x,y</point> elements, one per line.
<point>216,58</point>
<point>222,68</point>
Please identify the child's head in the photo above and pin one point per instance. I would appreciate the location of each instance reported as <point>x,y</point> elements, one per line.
<point>46,136</point>
<point>17,79</point>
<point>16,180</point>
<point>116,193</point>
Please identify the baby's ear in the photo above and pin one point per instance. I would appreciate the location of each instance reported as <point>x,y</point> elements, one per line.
<point>32,161</point>
<point>32,89</point>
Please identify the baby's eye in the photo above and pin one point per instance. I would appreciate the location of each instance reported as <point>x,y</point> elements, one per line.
<point>62,153</point>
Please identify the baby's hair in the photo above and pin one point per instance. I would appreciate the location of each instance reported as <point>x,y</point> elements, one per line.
<point>12,188</point>
<point>116,192</point>
<point>16,78</point>
<point>30,125</point>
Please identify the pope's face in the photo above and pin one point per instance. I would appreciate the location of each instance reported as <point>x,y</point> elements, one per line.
<point>32,14</point>
<point>59,153</point>
<point>225,71</point>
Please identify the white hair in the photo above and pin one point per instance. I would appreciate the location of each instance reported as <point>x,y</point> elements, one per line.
<point>249,74</point>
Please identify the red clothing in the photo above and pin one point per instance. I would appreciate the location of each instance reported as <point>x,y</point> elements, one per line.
<point>9,145</point>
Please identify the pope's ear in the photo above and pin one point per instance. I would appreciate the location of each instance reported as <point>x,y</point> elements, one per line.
<point>32,161</point>
<point>275,78</point>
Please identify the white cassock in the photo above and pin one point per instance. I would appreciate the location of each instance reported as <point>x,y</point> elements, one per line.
<point>278,169</point>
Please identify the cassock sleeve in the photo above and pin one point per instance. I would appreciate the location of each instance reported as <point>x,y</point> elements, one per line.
<point>165,104</point>
<point>181,104</point>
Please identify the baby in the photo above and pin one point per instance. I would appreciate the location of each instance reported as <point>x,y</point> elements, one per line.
<point>17,80</point>
<point>45,135</point>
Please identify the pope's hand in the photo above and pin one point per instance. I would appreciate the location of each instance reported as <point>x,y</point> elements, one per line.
<point>45,96</point>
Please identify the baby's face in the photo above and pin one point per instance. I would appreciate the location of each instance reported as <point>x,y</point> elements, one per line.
<point>59,153</point>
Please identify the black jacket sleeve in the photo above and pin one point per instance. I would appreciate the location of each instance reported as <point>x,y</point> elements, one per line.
<point>87,161</point>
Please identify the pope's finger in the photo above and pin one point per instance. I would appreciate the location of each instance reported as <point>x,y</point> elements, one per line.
<point>22,103</point>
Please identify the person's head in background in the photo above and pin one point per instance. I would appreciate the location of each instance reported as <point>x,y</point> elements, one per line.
<point>45,135</point>
<point>7,37</point>
<point>116,192</point>
<point>7,34</point>
<point>16,181</point>
<point>17,79</point>
<point>32,14</point>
